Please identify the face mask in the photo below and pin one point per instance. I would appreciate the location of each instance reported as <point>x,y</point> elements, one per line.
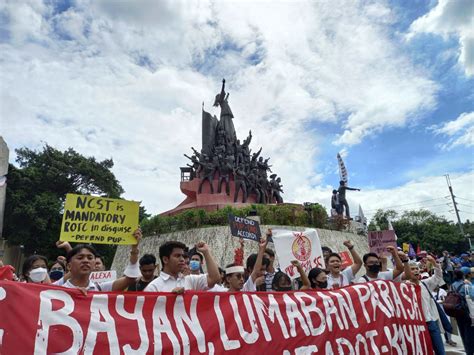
<point>323,284</point>
<point>56,274</point>
<point>194,265</point>
<point>284,288</point>
<point>374,268</point>
<point>38,274</point>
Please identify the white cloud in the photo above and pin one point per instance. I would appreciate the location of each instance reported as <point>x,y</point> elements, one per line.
<point>460,131</point>
<point>127,82</point>
<point>448,18</point>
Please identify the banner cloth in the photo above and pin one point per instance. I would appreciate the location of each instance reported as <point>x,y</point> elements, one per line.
<point>380,317</point>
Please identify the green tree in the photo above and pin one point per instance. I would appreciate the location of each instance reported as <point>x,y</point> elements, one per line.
<point>423,228</point>
<point>36,191</point>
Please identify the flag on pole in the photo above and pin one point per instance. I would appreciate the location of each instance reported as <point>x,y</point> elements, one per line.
<point>342,169</point>
<point>390,228</point>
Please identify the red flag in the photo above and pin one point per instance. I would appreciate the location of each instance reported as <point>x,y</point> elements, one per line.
<point>418,250</point>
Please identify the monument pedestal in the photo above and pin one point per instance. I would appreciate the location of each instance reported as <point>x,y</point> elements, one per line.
<point>206,200</point>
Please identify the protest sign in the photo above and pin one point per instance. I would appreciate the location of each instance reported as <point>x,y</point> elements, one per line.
<point>380,240</point>
<point>90,219</point>
<point>346,259</point>
<point>302,246</point>
<point>406,247</point>
<point>103,276</point>
<point>244,228</point>
<point>380,317</point>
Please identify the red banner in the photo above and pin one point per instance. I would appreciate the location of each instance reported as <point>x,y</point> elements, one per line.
<point>346,259</point>
<point>377,317</point>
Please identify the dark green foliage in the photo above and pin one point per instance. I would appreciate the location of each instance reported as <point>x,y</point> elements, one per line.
<point>286,214</point>
<point>421,227</point>
<point>36,191</point>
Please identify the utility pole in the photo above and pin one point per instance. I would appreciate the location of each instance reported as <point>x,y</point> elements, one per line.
<point>448,181</point>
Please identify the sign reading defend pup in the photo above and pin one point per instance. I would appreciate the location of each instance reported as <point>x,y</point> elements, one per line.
<point>90,219</point>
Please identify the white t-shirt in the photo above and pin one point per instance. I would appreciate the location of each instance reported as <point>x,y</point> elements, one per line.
<point>218,288</point>
<point>383,275</point>
<point>345,278</point>
<point>93,286</point>
<point>249,286</point>
<point>166,283</point>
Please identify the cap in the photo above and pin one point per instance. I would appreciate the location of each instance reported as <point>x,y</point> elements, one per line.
<point>466,270</point>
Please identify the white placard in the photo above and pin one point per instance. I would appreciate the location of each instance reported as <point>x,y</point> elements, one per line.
<point>302,246</point>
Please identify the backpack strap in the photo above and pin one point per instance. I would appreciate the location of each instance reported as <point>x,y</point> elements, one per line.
<point>98,286</point>
<point>366,278</point>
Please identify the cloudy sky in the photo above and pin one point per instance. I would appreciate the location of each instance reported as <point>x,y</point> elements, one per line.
<point>389,84</point>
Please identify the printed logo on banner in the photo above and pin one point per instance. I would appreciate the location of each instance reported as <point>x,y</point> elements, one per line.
<point>301,247</point>
<point>244,228</point>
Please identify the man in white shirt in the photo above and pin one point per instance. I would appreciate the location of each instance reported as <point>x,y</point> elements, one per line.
<point>82,261</point>
<point>171,278</point>
<point>428,304</point>
<point>338,278</point>
<point>373,266</point>
<point>234,274</point>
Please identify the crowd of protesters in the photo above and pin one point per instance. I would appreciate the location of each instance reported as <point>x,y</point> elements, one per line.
<point>182,269</point>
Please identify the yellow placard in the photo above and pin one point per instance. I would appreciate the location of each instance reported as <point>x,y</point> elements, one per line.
<point>90,219</point>
<point>406,247</point>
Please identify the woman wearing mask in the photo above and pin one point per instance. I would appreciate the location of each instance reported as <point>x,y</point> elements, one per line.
<point>282,282</point>
<point>35,269</point>
<point>57,271</point>
<point>318,279</point>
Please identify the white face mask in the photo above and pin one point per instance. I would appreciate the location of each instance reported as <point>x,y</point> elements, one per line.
<point>38,274</point>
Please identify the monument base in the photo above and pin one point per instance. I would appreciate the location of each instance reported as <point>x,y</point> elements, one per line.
<point>207,200</point>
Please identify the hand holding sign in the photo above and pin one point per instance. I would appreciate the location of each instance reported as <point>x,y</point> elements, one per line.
<point>138,235</point>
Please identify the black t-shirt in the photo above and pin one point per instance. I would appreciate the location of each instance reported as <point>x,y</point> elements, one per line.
<point>140,285</point>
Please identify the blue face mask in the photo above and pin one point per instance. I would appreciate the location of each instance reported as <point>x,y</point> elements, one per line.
<point>56,274</point>
<point>194,265</point>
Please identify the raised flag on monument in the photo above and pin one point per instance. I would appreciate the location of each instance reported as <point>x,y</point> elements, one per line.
<point>302,246</point>
<point>342,169</point>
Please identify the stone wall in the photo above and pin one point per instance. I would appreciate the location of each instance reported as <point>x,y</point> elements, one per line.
<point>223,244</point>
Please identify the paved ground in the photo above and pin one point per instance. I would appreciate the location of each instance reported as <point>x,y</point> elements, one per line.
<point>455,349</point>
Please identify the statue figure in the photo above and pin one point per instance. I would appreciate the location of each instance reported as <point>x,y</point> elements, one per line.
<point>342,197</point>
<point>226,113</point>
<point>263,184</point>
<point>239,179</point>
<point>208,170</point>
<point>253,186</point>
<point>239,153</point>
<point>277,190</point>
<point>195,167</point>
<point>224,173</point>
<point>245,148</point>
